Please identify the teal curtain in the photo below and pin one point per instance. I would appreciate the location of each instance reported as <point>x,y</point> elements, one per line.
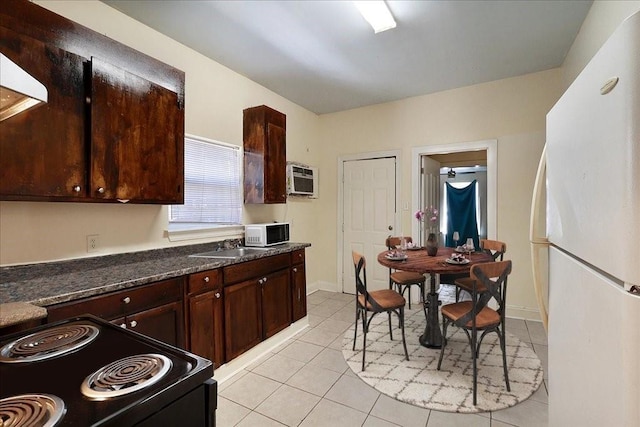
<point>461,214</point>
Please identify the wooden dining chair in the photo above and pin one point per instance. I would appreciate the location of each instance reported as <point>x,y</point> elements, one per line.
<point>494,248</point>
<point>374,302</point>
<point>474,316</point>
<point>403,280</point>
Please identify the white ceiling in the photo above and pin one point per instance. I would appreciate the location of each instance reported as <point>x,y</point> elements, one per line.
<point>323,56</point>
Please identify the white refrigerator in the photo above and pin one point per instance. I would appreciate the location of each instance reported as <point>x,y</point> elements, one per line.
<point>591,249</point>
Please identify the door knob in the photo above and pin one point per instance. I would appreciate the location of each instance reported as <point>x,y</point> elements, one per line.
<point>390,227</point>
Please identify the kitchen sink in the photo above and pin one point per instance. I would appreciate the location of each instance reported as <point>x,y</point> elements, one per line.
<point>234,253</point>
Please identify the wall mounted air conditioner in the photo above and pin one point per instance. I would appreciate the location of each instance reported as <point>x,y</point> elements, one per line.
<point>302,180</point>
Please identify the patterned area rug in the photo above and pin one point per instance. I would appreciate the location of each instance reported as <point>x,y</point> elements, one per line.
<point>418,381</point>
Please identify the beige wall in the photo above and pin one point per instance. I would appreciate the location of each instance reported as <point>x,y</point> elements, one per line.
<point>603,18</point>
<point>511,111</point>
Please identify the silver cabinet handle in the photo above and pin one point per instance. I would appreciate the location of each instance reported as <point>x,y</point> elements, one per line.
<point>264,280</point>
<point>133,323</point>
<point>218,295</point>
<point>206,279</point>
<point>101,190</point>
<point>260,281</point>
<point>295,270</point>
<point>126,300</point>
<point>76,188</point>
<point>123,325</point>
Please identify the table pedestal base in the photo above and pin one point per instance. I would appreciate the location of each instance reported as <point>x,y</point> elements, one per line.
<point>432,337</point>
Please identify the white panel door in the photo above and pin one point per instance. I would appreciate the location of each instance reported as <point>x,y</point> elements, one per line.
<point>430,187</point>
<point>369,191</point>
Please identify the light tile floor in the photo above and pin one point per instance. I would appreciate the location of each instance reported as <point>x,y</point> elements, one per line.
<point>306,382</point>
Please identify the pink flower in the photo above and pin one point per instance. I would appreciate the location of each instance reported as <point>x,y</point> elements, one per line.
<point>431,213</point>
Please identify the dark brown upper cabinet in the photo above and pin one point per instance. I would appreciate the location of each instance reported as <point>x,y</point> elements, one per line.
<point>113,127</point>
<point>43,150</point>
<point>137,139</point>
<point>265,155</point>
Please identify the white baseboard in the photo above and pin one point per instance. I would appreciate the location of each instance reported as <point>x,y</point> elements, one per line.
<point>322,286</point>
<point>234,366</point>
<point>525,313</point>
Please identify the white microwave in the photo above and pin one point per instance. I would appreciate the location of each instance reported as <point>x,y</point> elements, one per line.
<point>302,180</point>
<point>268,234</point>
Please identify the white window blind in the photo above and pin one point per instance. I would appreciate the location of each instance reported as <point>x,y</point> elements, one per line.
<point>212,186</point>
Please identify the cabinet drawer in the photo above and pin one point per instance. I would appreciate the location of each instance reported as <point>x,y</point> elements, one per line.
<point>203,281</point>
<point>297,257</point>
<point>253,269</point>
<point>120,303</point>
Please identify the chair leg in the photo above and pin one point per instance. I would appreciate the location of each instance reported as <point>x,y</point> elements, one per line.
<point>444,340</point>
<point>503,346</point>
<point>404,342</point>
<point>365,326</point>
<point>355,329</point>
<point>474,356</point>
<point>390,327</point>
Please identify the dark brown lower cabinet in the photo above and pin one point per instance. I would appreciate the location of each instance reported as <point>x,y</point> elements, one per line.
<point>154,310</point>
<point>206,316</point>
<point>242,317</point>
<point>276,311</point>
<point>299,292</point>
<point>163,323</point>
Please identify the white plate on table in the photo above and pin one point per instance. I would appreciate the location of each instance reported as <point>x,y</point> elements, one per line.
<point>414,248</point>
<point>457,262</point>
<point>395,257</point>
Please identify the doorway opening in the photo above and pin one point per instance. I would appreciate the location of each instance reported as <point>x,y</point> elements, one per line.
<point>458,164</point>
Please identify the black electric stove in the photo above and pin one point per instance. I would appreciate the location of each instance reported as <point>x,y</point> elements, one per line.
<point>85,371</point>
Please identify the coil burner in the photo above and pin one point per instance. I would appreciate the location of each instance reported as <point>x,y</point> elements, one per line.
<point>31,410</point>
<point>125,376</point>
<point>48,343</point>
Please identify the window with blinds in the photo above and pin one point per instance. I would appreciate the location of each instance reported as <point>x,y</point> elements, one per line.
<point>212,186</point>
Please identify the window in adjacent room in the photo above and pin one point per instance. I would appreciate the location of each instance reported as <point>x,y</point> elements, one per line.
<point>212,186</point>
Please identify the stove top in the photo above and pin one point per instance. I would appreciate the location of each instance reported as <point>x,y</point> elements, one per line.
<point>51,342</point>
<point>43,410</point>
<point>88,372</point>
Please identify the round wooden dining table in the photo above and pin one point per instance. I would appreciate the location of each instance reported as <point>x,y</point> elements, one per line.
<point>420,262</point>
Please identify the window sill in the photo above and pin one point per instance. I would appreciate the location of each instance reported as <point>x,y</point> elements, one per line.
<point>178,232</point>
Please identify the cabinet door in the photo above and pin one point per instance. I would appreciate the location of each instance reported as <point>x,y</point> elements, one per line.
<point>137,138</point>
<point>164,323</point>
<point>43,153</point>
<point>275,187</point>
<point>206,337</point>
<point>276,307</point>
<point>299,294</point>
<point>242,317</point>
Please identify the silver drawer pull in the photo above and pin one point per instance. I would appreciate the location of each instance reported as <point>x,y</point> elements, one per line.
<point>100,190</point>
<point>218,295</point>
<point>133,323</point>
<point>123,325</point>
<point>295,270</point>
<point>206,279</point>
<point>126,300</point>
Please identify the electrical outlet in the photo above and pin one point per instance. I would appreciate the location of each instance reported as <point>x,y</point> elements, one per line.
<point>93,242</point>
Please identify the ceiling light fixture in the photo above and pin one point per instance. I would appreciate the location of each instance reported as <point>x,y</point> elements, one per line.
<point>377,14</point>
<point>451,173</point>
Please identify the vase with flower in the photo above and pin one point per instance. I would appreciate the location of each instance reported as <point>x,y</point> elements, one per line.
<point>429,216</point>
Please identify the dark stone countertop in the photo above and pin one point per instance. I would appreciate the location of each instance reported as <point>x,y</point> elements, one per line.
<point>56,282</point>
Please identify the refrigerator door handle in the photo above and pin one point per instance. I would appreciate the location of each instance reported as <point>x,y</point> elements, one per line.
<point>537,240</point>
